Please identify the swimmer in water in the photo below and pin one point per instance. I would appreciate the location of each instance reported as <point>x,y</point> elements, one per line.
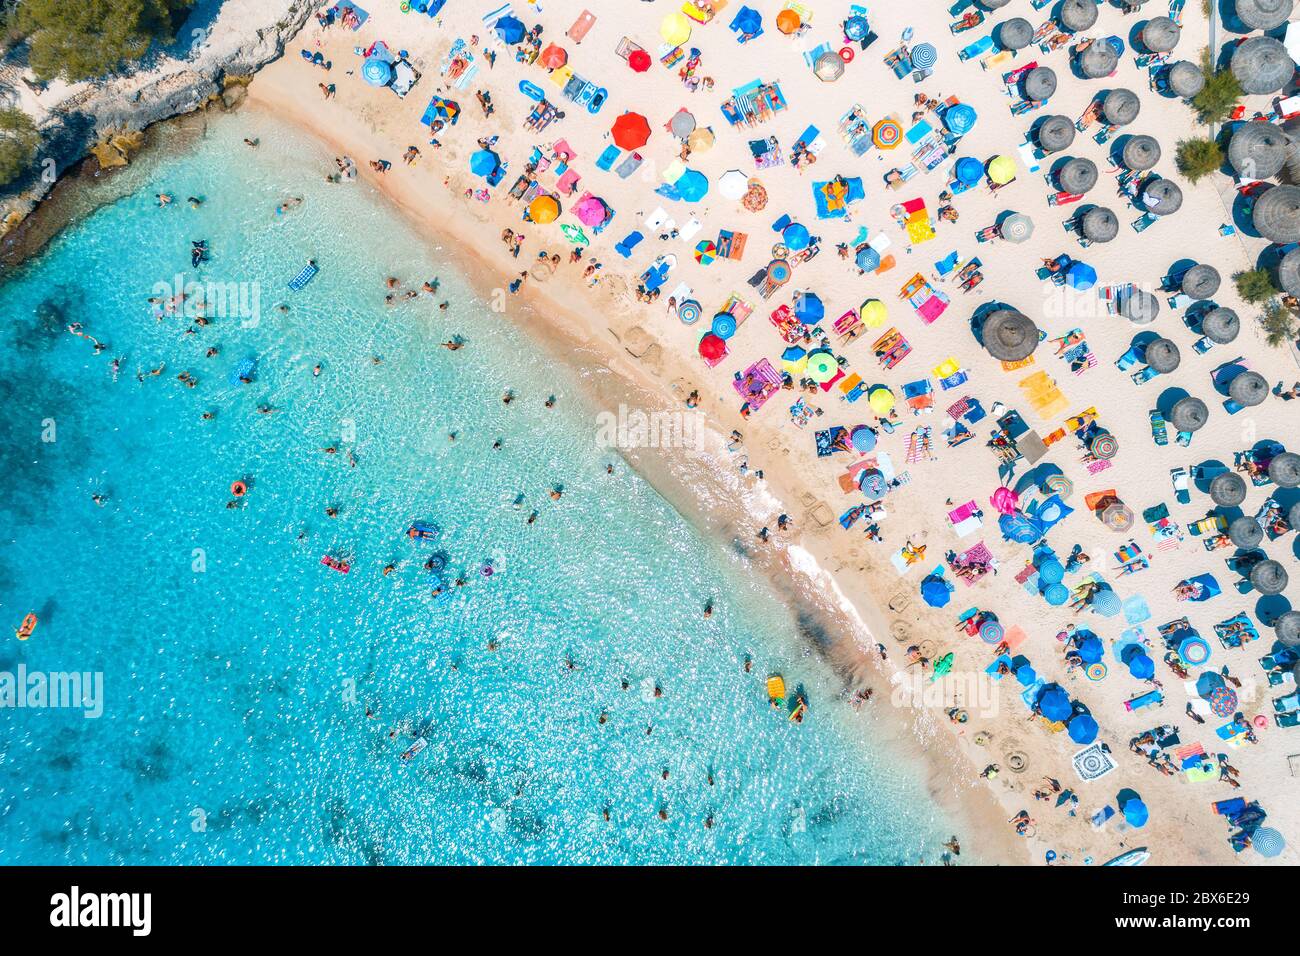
<point>508,397</point>
<point>99,499</point>
<point>550,402</point>
<point>163,199</point>
<point>532,517</point>
<point>331,512</point>
<point>315,372</point>
<point>708,610</point>
<point>556,493</point>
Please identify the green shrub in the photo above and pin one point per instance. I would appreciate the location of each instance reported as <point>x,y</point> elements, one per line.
<point>18,142</point>
<point>1255,286</point>
<point>1198,158</point>
<point>86,39</point>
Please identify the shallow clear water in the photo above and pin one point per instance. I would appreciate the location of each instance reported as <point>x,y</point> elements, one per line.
<point>238,670</point>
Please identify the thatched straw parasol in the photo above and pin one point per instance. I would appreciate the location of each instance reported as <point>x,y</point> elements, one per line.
<point>1263,14</point>
<point>1099,224</point>
<point>1268,577</point>
<point>1055,133</point>
<point>1186,79</point>
<point>1284,469</point>
<point>1258,149</point>
<point>1162,355</point>
<point>1200,281</point>
<point>1160,34</point>
<point>1287,628</point>
<point>1162,197</point>
<point>1078,15</point>
<point>1040,83</point>
<point>1262,65</point>
<point>1277,214</point>
<point>1120,107</point>
<point>1098,60</point>
<point>1189,414</point>
<point>1227,490</point>
<point>1220,325</point>
<point>1245,532</point>
<point>1288,273</point>
<point>1078,175</point>
<point>1016,33</point>
<point>1248,389</point>
<point>993,4</point>
<point>1140,307</point>
<point>1293,516</point>
<point>1140,152</point>
<point>1010,336</point>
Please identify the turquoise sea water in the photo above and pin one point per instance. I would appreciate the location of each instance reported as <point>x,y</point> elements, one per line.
<point>238,670</point>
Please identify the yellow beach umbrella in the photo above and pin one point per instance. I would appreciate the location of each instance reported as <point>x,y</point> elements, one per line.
<point>544,209</point>
<point>675,29</point>
<point>874,313</point>
<point>1002,170</point>
<point>701,140</point>
<point>881,400</point>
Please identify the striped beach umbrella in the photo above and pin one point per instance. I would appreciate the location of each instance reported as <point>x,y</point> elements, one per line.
<point>1106,603</point>
<point>924,56</point>
<point>705,252</point>
<point>724,325</point>
<point>1104,446</point>
<point>887,134</point>
<point>992,632</point>
<point>689,312</point>
<point>778,272</point>
<point>1096,671</point>
<point>1059,485</point>
<point>1267,842</point>
<point>1056,594</point>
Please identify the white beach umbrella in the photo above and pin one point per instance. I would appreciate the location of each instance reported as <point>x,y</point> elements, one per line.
<point>733,184</point>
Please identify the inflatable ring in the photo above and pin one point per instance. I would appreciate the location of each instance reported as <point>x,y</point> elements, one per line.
<point>486,570</point>
<point>1261,721</point>
<point>1096,671</point>
<point>846,54</point>
<point>405,7</point>
<point>238,489</point>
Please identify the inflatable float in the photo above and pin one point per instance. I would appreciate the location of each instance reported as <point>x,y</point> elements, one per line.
<point>302,278</point>
<point>415,749</point>
<point>26,628</point>
<point>776,691</point>
<point>338,564</point>
<point>423,531</point>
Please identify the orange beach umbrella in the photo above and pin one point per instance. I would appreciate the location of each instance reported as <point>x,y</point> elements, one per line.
<point>631,131</point>
<point>553,57</point>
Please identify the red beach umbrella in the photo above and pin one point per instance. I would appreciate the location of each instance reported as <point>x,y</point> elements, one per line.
<point>712,347</point>
<point>553,57</point>
<point>631,131</point>
<point>639,61</point>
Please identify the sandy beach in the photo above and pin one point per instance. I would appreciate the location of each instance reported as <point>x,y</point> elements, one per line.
<point>643,355</point>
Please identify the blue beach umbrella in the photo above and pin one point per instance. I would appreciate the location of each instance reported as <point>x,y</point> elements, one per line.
<point>377,72</point>
<point>808,308</point>
<point>510,29</point>
<point>1050,571</point>
<point>960,118</point>
<point>1026,675</point>
<point>868,259</point>
<point>1267,842</point>
<point>1081,276</point>
<point>748,20</point>
<point>724,325</point>
<point>1091,650</point>
<point>924,56</point>
<point>1107,603</point>
<point>1056,594</point>
<point>1141,667</point>
<point>795,236</point>
<point>1054,703</point>
<point>484,162</point>
<point>1082,729</point>
<point>969,170</point>
<point>693,186</point>
<point>856,28</point>
<point>1016,527</point>
<point>1136,813</point>
<point>934,591</point>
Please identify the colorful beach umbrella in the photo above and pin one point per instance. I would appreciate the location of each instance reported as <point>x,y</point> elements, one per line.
<point>732,184</point>
<point>867,259</point>
<point>553,57</point>
<point>924,56</point>
<point>808,308</point>
<point>705,252</point>
<point>873,313</point>
<point>960,118</point>
<point>821,366</point>
<point>992,632</point>
<point>881,400</point>
<point>544,209</point>
<point>689,312</point>
<point>1001,170</point>
<point>693,186</point>
<point>787,21</point>
<point>1194,651</point>
<point>591,211</point>
<point>712,348</point>
<point>794,360</point>
<point>675,29</point>
<point>639,61</point>
<point>856,27</point>
<point>796,236</point>
<point>778,272</point>
<point>887,134</point>
<point>724,325</point>
<point>630,131</point>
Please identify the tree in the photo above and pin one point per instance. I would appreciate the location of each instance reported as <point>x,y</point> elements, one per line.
<point>1255,286</point>
<point>1218,97</point>
<point>1198,158</point>
<point>18,142</point>
<point>1279,324</point>
<point>87,39</point>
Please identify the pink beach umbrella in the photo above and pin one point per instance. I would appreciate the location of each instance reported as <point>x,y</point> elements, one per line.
<point>1004,500</point>
<point>591,211</point>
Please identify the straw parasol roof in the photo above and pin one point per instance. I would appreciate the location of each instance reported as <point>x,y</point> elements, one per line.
<point>1262,65</point>
<point>1078,15</point>
<point>1221,325</point>
<point>1245,532</point>
<point>1284,469</point>
<point>1189,414</point>
<point>1258,149</point>
<point>1010,336</point>
<point>1248,388</point>
<point>1055,133</point>
<point>1277,214</point>
<point>1140,307</point>
<point>1141,152</point>
<point>1288,273</point>
<point>1293,516</point>
<point>1040,83</point>
<point>1160,34</point>
<point>1098,60</point>
<point>1162,355</point>
<point>1078,175</point>
<point>1263,14</point>
<point>1228,489</point>
<point>1016,33</point>
<point>993,4</point>
<point>1288,629</point>
<point>1120,107</point>
<point>1201,281</point>
<point>1100,224</point>
<point>1268,577</point>
<point>1162,197</point>
<point>1186,79</point>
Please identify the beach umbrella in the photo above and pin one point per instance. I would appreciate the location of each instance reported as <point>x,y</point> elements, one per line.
<point>778,272</point>
<point>794,359</point>
<point>1120,107</point>
<point>1040,83</point>
<point>1140,307</point>
<point>863,439</point>
<point>712,347</point>
<point>705,252</point>
<point>1194,651</point>
<point>1293,517</point>
<point>1288,273</point>
<point>553,57</point>
<point>829,67</point>
<point>1091,650</point>
<point>881,400</point>
<point>377,72</point>
<point>591,211</point>
<point>1200,281</point>
<point>748,20</point>
<point>693,186</point>
<point>1001,170</point>
<point>1059,485</point>
<point>808,308</point>
<point>856,27</point>
<point>1268,577</point>
<point>1016,33</point>
<point>1026,675</point>
<point>544,209</point>
<point>1186,79</point>
<point>723,325</point>
<point>681,124</point>
<point>1220,325</point>
<point>1258,149</point>
<point>1262,65</point>
<point>821,366</point>
<point>1284,469</point>
<point>992,632</point>
<point>1055,133</point>
<point>1248,389</point>
<point>1105,445</point>
<point>701,140</point>
<point>689,312</point>
<point>1141,667</point>
<point>1162,355</point>
<point>1140,152</point>
<point>993,4</point>
<point>795,236</point>
<point>1223,702</point>
<point>1082,729</point>
<point>1136,813</point>
<point>1263,14</point>
<point>1277,214</point>
<point>1227,490</point>
<point>1098,60</point>
<point>1189,414</point>
<point>675,29</point>
<point>1287,628</point>
<point>1054,703</point>
<point>960,118</point>
<point>1099,224</point>
<point>1162,196</point>
<point>1160,34</point>
<point>969,170</point>
<point>1078,15</point>
<point>732,184</point>
<point>887,134</point>
<point>924,56</point>
<point>787,21</point>
<point>1017,227</point>
<point>1020,529</point>
<point>510,29</point>
<point>1106,603</point>
<point>873,313</point>
<point>1081,276</point>
<point>934,591</point>
<point>630,131</point>
<point>1266,841</point>
<point>755,196</point>
<point>639,61</point>
<point>1207,683</point>
<point>1245,532</point>
<point>1051,571</point>
<point>484,162</point>
<point>867,259</point>
<point>1010,336</point>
